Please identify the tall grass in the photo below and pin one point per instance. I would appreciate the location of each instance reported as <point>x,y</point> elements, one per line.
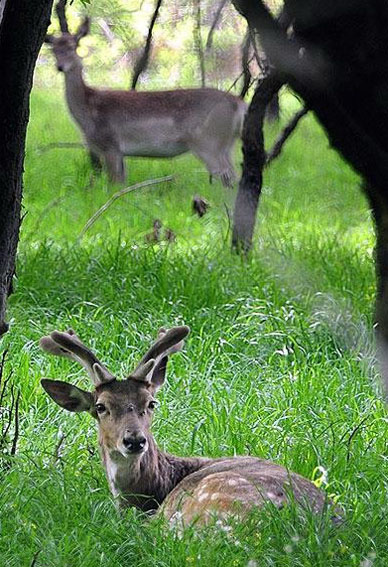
<point>279,363</point>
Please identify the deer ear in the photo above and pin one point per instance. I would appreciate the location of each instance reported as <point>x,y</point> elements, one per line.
<point>159,374</point>
<point>83,30</point>
<point>67,396</point>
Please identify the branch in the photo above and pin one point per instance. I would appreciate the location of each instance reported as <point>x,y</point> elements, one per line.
<point>209,41</point>
<point>119,194</point>
<point>57,451</point>
<point>16,421</point>
<point>142,62</point>
<point>284,135</point>
<point>198,41</point>
<point>246,72</point>
<point>62,145</point>
<point>261,63</point>
<point>109,35</point>
<point>60,10</point>
<point>236,80</point>
<point>34,558</point>
<point>9,411</point>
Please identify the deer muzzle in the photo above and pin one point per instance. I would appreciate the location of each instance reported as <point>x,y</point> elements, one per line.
<point>135,443</point>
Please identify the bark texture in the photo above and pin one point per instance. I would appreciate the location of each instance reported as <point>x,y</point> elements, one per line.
<point>22,30</point>
<point>337,61</point>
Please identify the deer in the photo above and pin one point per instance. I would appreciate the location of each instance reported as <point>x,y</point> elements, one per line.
<point>117,123</point>
<point>184,490</point>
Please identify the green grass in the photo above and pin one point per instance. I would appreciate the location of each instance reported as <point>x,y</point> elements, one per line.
<point>279,363</point>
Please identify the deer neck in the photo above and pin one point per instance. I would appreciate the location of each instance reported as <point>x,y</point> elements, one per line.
<point>77,94</point>
<point>145,481</point>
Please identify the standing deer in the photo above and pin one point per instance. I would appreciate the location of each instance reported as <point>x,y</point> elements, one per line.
<point>139,474</point>
<point>114,123</point>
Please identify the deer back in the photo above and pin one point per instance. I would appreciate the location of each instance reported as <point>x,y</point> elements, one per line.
<point>233,486</point>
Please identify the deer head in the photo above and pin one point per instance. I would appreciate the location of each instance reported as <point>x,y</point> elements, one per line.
<point>65,45</point>
<point>123,408</point>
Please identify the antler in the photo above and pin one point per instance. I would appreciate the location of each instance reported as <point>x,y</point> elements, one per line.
<point>70,346</point>
<point>155,359</point>
<point>60,10</point>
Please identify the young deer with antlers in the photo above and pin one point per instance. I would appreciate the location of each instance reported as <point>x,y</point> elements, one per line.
<point>204,121</point>
<point>139,474</point>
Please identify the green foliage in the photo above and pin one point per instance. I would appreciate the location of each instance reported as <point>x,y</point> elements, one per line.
<point>117,38</point>
<point>279,363</point>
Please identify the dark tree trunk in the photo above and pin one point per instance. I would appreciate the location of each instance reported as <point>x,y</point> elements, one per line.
<point>254,160</point>
<point>379,206</point>
<point>273,109</point>
<point>337,61</point>
<point>22,30</point>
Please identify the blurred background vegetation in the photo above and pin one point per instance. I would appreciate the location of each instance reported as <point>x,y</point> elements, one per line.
<point>117,37</point>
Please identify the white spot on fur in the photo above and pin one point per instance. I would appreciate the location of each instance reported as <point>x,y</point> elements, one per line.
<point>232,482</point>
<point>176,523</point>
<point>215,496</point>
<point>202,496</point>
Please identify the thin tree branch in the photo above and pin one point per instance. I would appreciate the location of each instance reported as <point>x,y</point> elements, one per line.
<point>198,40</point>
<point>9,413</point>
<point>57,451</point>
<point>143,60</point>
<point>245,60</point>
<point>16,421</point>
<point>259,60</point>
<point>276,149</point>
<point>238,78</point>
<point>62,145</point>
<point>35,557</point>
<point>209,41</point>
<point>119,194</point>
<point>3,356</point>
<point>60,10</point>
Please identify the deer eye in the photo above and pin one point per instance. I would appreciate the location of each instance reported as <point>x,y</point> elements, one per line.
<point>100,408</point>
<point>152,405</point>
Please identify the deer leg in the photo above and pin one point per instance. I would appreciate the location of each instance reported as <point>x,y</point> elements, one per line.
<point>228,176</point>
<point>95,162</point>
<point>218,163</point>
<point>115,165</point>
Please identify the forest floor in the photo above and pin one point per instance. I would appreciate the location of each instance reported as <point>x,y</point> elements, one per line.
<point>279,363</point>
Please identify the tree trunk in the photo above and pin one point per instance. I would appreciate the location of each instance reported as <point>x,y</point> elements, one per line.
<point>379,206</point>
<point>273,109</point>
<point>22,30</point>
<point>337,61</point>
<point>250,184</point>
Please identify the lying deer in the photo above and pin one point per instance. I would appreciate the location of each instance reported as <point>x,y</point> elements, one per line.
<point>139,474</point>
<point>115,123</point>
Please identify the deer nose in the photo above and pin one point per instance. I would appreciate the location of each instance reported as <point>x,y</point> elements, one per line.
<point>60,67</point>
<point>134,444</point>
